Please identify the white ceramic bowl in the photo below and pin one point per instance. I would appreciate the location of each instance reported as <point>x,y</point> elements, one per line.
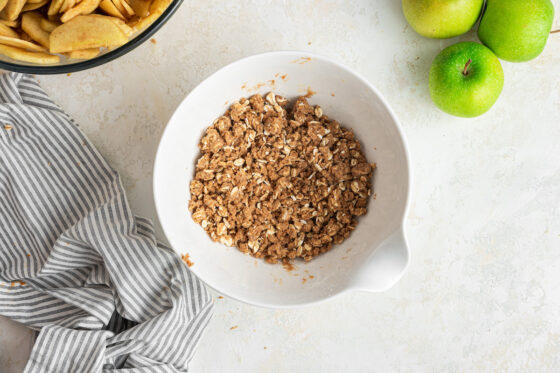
<point>372,259</point>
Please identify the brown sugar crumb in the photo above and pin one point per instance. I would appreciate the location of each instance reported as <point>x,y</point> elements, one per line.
<point>7,127</point>
<point>186,258</point>
<point>220,297</point>
<point>265,347</point>
<point>68,74</point>
<point>311,277</point>
<point>284,77</point>
<point>287,265</point>
<point>310,93</point>
<point>21,283</point>
<point>28,254</point>
<point>303,280</point>
<point>233,327</point>
<point>279,180</point>
<point>153,40</point>
<point>332,94</point>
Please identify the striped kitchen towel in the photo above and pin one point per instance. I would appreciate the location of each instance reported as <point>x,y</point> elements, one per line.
<point>75,263</point>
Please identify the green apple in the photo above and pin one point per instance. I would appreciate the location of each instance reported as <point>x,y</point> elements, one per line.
<point>466,79</point>
<point>442,18</point>
<point>516,30</point>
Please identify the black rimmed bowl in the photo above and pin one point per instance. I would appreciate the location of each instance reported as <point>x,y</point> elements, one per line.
<point>70,66</point>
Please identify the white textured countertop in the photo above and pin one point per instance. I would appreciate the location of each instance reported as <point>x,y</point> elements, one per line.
<point>483,289</point>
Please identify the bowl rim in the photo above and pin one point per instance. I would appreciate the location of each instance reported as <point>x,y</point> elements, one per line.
<point>397,125</point>
<point>99,60</point>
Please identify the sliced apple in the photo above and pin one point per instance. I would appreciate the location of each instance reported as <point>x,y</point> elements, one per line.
<point>6,31</point>
<point>19,43</point>
<point>48,25</point>
<point>85,7</point>
<point>31,24</point>
<point>142,23</point>
<point>120,7</point>
<point>32,57</point>
<point>85,32</point>
<point>129,11</point>
<point>55,6</point>
<point>13,9</point>
<point>108,7</point>
<point>84,54</point>
<point>9,23</point>
<point>159,5</point>
<point>141,7</point>
<point>68,4</point>
<point>32,6</point>
<point>127,30</point>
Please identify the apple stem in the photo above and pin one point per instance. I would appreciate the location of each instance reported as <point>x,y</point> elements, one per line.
<point>555,31</point>
<point>465,71</point>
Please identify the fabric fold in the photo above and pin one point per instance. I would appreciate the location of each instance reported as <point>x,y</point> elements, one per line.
<point>76,264</point>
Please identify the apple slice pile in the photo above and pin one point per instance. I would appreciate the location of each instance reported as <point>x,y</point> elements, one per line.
<point>467,78</point>
<point>40,31</point>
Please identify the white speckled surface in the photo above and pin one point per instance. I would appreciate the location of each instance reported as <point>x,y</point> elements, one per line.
<point>481,293</point>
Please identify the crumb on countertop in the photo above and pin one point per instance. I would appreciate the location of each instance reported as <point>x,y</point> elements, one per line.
<point>186,259</point>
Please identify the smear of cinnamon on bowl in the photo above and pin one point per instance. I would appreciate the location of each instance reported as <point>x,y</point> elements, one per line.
<point>271,83</point>
<point>302,60</point>
<point>233,327</point>
<point>186,258</point>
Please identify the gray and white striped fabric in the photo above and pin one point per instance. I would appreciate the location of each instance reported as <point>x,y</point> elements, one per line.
<point>75,263</point>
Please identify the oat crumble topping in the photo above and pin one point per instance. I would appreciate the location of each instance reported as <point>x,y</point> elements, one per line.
<point>279,182</point>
